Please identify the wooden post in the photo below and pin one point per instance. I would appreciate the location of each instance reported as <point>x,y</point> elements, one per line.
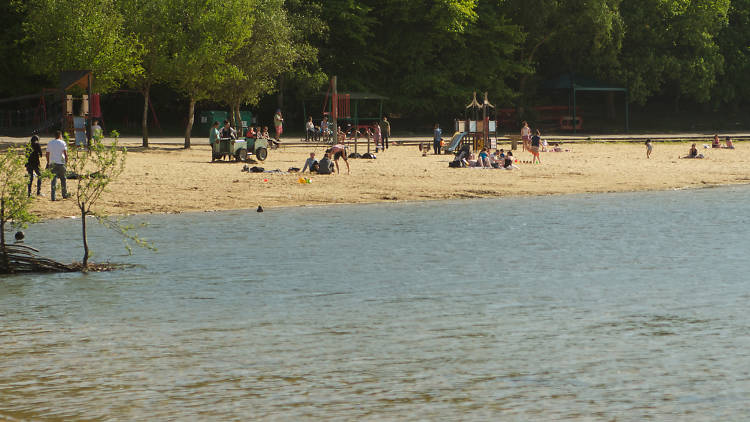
<point>335,110</point>
<point>356,125</point>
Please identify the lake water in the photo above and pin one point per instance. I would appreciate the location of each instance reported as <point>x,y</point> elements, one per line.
<point>598,307</point>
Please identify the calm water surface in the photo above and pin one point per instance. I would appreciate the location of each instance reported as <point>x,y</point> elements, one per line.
<point>596,307</point>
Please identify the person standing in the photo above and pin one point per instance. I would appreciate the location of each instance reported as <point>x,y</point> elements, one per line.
<point>33,163</point>
<point>649,148</point>
<point>57,156</point>
<point>385,129</point>
<point>213,140</point>
<point>525,134</point>
<point>534,147</point>
<point>436,138</point>
<point>377,136</point>
<point>278,123</point>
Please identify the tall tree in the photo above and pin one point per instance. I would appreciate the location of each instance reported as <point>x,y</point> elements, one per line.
<point>79,34</point>
<point>254,67</point>
<point>565,36</point>
<point>151,23</point>
<point>670,46</point>
<point>734,43</point>
<point>211,32</point>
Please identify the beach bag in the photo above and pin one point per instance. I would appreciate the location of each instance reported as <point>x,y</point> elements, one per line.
<point>355,155</point>
<point>455,164</point>
<point>255,169</point>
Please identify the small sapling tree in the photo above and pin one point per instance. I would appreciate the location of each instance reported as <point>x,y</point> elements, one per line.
<point>14,199</point>
<point>97,166</point>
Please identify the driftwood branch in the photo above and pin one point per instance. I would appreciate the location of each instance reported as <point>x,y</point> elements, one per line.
<point>22,259</point>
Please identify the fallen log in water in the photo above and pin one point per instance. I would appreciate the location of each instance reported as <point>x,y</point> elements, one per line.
<point>24,259</point>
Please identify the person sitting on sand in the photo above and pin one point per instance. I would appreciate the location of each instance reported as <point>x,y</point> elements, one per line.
<point>716,143</point>
<point>729,143</point>
<point>339,151</point>
<point>311,163</point>
<point>325,166</point>
<point>693,153</point>
<point>508,162</point>
<point>484,159</point>
<point>649,148</point>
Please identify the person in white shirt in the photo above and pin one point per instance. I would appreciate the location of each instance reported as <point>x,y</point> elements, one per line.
<point>57,156</point>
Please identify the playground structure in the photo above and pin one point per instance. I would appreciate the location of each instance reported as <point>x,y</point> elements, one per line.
<point>343,110</point>
<point>55,108</point>
<point>479,132</point>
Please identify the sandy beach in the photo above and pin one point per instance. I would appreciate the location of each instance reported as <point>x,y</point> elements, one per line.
<point>169,179</point>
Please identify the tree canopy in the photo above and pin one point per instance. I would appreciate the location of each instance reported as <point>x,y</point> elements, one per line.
<point>427,56</point>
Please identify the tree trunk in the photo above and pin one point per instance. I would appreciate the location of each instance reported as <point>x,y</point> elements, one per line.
<point>191,119</point>
<point>6,260</point>
<point>239,119</point>
<point>85,262</point>
<point>144,121</point>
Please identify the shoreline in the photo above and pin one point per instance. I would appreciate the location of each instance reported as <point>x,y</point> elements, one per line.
<point>172,180</point>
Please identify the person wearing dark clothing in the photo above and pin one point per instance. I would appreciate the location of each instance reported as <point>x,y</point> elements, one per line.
<point>325,166</point>
<point>436,138</point>
<point>385,131</point>
<point>33,162</point>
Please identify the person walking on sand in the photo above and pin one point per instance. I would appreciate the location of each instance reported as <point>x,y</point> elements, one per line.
<point>649,148</point>
<point>525,134</point>
<point>278,123</point>
<point>33,162</point>
<point>57,156</point>
<point>385,129</point>
<point>436,138</point>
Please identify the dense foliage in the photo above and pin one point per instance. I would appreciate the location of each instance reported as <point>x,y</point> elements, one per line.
<point>426,55</point>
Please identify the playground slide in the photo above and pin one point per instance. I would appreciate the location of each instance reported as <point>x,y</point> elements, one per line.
<point>456,141</point>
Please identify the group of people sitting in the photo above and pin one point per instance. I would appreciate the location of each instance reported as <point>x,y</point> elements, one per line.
<point>717,142</point>
<point>329,160</point>
<point>498,159</point>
